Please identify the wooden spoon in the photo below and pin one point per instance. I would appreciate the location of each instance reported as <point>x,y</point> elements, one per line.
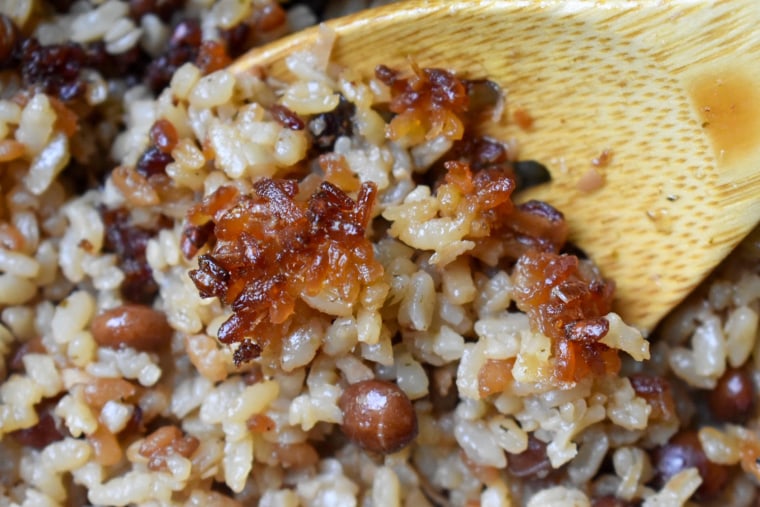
<point>670,89</point>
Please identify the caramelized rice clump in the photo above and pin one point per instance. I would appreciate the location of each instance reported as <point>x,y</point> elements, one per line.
<point>566,301</point>
<point>427,104</point>
<point>496,224</point>
<point>276,252</point>
<point>273,248</point>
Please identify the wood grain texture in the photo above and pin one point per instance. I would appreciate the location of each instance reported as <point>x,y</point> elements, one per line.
<point>671,88</point>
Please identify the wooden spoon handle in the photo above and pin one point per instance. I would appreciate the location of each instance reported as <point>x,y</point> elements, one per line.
<point>672,90</point>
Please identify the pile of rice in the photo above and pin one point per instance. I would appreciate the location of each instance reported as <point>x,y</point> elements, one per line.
<point>87,419</point>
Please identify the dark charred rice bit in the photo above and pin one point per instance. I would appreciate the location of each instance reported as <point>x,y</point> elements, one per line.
<point>534,225</point>
<point>587,331</point>
<point>128,242</point>
<point>54,69</point>
<point>199,230</point>
<point>195,237</point>
<point>212,56</point>
<point>733,398</point>
<point>265,20</point>
<point>211,279</point>
<point>272,250</point>
<point>153,161</point>
<point>163,443</point>
<point>478,153</point>
<point>532,462</point>
<point>286,117</point>
<point>236,39</point>
<point>327,127</point>
<point>378,416</point>
<point>163,135</point>
<point>657,392</point>
<point>246,351</point>
<point>556,292</point>
<point>484,153</point>
<point>427,104</point>
<point>183,47</point>
<point>47,430</point>
<point>161,8</point>
<point>128,65</point>
<point>9,39</point>
<point>684,451</point>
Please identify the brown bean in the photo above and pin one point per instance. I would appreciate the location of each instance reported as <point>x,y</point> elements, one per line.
<point>684,451</point>
<point>657,392</point>
<point>378,416</point>
<point>46,431</point>
<point>733,398</point>
<point>532,462</point>
<point>130,325</point>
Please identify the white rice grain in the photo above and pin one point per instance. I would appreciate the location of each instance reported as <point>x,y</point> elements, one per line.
<point>677,490</point>
<point>386,489</point>
<point>559,496</point>
<point>741,331</point>
<point>72,315</point>
<point>15,290</point>
<point>212,90</point>
<point>94,24</point>
<point>36,124</point>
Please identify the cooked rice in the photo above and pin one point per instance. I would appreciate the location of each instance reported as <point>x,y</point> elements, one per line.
<point>76,413</point>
